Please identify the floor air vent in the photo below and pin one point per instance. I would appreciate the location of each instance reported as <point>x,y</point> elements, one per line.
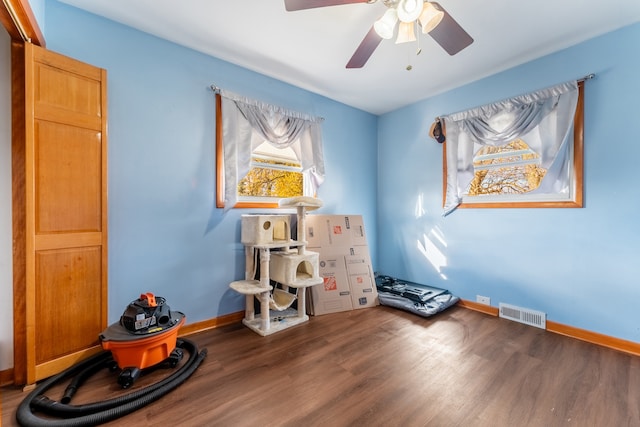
<point>523,315</point>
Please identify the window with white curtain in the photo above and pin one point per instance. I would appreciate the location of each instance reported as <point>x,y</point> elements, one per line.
<point>264,152</point>
<point>525,151</point>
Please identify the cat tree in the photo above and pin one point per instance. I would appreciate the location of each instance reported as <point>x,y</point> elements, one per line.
<point>282,260</point>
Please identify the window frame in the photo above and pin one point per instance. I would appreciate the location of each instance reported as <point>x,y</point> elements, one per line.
<point>577,176</point>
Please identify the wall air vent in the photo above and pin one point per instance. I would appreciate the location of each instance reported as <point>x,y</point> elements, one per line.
<point>523,315</point>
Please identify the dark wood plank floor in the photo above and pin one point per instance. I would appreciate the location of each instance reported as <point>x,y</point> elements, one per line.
<point>384,367</point>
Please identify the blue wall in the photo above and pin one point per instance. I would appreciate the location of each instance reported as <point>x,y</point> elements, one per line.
<point>165,234</point>
<point>577,265</point>
<point>37,6</point>
<point>580,266</point>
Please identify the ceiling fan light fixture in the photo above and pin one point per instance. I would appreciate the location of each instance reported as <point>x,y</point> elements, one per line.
<point>384,26</point>
<point>430,17</point>
<point>406,33</point>
<point>409,10</point>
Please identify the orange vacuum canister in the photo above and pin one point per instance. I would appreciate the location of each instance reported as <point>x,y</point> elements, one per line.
<point>145,336</point>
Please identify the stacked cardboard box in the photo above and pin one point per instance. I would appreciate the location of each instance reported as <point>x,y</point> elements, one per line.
<point>345,264</point>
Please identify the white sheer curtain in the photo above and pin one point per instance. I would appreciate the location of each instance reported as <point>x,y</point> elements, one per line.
<point>247,123</point>
<point>542,118</point>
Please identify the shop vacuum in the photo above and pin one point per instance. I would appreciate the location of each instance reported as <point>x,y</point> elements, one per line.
<point>145,336</point>
<point>145,339</point>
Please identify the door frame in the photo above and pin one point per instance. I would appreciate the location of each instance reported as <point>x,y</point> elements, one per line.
<point>18,19</point>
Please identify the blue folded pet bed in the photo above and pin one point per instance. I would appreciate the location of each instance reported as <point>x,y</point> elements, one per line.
<point>413,297</point>
<point>424,309</point>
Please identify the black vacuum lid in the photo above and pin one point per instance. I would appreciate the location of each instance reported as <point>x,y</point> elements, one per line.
<point>117,332</point>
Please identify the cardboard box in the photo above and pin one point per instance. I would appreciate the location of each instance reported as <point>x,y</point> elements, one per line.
<point>341,239</point>
<point>335,231</point>
<point>361,281</point>
<point>334,294</point>
<point>354,268</point>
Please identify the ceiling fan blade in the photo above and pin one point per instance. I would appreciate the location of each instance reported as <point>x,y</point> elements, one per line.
<point>449,34</point>
<point>293,5</point>
<point>365,50</point>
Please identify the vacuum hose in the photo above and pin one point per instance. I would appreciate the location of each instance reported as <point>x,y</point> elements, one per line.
<point>100,412</point>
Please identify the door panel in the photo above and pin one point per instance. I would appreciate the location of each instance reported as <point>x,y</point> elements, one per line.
<point>55,76</point>
<point>59,156</point>
<point>66,319</point>
<point>67,187</point>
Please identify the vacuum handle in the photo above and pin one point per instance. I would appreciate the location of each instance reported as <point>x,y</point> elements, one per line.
<point>151,299</point>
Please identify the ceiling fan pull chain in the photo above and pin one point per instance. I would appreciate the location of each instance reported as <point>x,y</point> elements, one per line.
<point>419,51</point>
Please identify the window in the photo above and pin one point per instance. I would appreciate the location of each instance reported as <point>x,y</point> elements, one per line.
<point>274,174</point>
<point>264,153</point>
<point>518,153</point>
<point>513,168</point>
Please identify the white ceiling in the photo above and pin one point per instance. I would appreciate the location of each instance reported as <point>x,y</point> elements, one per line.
<point>310,48</point>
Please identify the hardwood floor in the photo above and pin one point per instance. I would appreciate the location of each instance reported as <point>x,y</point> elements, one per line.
<point>385,367</point>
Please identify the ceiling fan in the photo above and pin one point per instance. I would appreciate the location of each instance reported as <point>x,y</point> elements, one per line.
<point>429,16</point>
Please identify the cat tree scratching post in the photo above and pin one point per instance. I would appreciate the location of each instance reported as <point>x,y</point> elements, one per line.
<point>270,236</point>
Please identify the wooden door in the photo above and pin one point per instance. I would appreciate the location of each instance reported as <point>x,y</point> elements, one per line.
<point>59,155</point>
